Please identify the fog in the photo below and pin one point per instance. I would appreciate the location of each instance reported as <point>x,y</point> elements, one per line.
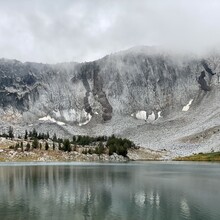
<point>83,30</point>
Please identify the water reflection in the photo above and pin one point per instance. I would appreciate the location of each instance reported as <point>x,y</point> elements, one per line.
<point>185,210</point>
<point>143,191</point>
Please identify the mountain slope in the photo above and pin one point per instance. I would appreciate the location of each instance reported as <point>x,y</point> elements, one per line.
<point>153,97</point>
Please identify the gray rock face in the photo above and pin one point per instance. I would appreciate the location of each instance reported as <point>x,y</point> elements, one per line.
<point>99,97</point>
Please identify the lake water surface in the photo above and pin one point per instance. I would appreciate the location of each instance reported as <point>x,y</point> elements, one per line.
<point>99,191</point>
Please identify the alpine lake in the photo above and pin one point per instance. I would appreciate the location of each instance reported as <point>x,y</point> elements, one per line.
<point>110,191</point>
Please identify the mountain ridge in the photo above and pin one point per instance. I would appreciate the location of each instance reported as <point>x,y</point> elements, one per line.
<point>118,93</point>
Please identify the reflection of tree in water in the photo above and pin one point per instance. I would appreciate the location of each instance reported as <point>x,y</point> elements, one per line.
<point>15,195</point>
<point>101,193</point>
<point>80,191</point>
<point>98,206</point>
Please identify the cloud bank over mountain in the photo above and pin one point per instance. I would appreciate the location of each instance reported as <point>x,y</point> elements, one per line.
<point>84,30</point>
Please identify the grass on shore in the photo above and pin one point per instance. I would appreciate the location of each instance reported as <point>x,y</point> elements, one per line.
<point>215,156</point>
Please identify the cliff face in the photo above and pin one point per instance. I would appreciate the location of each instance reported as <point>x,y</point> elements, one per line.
<point>140,83</point>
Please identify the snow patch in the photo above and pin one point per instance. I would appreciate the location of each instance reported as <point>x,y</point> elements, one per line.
<point>186,107</point>
<point>88,116</point>
<point>80,116</point>
<point>142,115</point>
<point>48,118</point>
<point>70,115</point>
<point>60,123</point>
<point>151,117</point>
<point>159,115</point>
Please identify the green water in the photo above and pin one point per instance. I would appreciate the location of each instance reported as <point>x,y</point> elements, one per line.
<point>147,190</point>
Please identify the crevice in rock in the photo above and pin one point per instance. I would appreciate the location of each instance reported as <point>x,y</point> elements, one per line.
<point>203,84</point>
<point>206,67</point>
<point>100,94</point>
<point>85,73</point>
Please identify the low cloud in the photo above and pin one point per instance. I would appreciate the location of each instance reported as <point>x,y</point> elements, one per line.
<point>83,30</point>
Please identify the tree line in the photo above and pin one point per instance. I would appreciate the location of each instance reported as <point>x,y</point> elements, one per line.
<point>102,144</point>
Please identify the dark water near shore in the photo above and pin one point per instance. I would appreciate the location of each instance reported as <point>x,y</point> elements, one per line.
<point>148,190</point>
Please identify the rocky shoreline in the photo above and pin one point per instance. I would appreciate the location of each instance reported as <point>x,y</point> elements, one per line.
<point>56,155</point>
<point>7,155</point>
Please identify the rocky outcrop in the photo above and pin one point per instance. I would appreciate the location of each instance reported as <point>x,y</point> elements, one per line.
<point>123,83</point>
<point>203,83</point>
<point>132,91</point>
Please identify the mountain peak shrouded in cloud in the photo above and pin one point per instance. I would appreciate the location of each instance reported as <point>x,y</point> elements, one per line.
<point>57,31</point>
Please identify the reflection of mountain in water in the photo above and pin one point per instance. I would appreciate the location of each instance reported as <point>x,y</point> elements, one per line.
<point>143,191</point>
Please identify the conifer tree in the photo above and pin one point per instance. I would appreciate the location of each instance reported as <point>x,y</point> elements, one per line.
<point>46,146</point>
<point>28,147</point>
<point>54,137</point>
<point>10,132</point>
<point>35,143</point>
<point>59,146</point>
<point>22,146</point>
<point>66,145</point>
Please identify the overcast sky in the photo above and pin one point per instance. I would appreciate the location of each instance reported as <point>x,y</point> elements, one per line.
<point>53,31</point>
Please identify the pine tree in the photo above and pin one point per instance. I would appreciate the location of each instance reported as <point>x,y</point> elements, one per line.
<point>101,148</point>
<point>46,146</point>
<point>66,145</point>
<point>30,134</point>
<point>54,137</point>
<point>35,143</point>
<point>10,132</point>
<point>74,139</point>
<point>59,146</point>
<point>28,147</point>
<point>22,146</point>
<point>34,133</point>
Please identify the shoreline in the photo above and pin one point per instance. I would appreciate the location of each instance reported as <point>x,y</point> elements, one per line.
<point>36,155</point>
<point>134,155</point>
<point>201,157</point>
<point>10,153</point>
